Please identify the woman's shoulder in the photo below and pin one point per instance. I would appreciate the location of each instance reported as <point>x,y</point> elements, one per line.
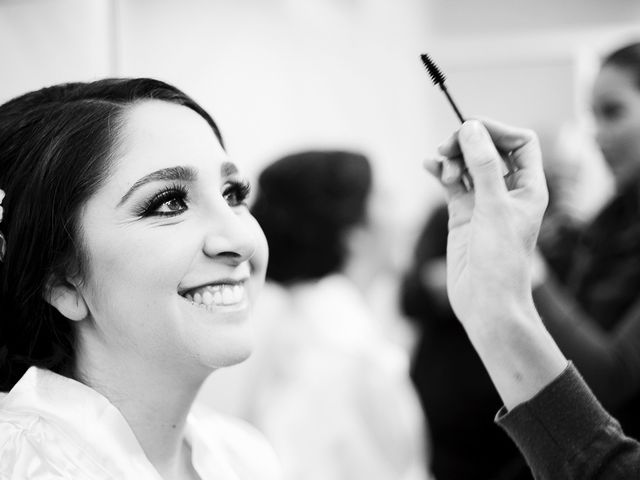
<point>217,438</point>
<point>32,446</point>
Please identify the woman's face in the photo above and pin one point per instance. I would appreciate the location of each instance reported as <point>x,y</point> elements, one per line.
<point>175,259</point>
<point>616,106</point>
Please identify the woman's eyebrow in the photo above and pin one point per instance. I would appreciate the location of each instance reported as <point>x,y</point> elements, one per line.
<point>186,174</point>
<point>227,169</point>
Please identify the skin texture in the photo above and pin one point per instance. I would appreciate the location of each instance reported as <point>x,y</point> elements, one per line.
<point>141,343</point>
<point>616,107</point>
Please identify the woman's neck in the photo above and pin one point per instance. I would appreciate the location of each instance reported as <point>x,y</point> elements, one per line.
<point>155,403</point>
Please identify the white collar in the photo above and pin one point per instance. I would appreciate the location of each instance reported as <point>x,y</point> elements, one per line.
<point>221,447</point>
<point>86,417</point>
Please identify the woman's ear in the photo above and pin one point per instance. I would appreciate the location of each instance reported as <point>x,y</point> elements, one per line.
<point>64,295</point>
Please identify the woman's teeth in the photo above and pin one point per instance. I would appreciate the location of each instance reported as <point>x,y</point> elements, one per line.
<point>218,295</point>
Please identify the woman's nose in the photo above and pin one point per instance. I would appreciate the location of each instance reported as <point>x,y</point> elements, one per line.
<point>231,237</point>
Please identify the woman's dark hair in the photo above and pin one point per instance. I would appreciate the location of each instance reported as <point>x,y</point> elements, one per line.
<point>416,300</point>
<point>306,203</point>
<point>626,58</point>
<point>56,147</point>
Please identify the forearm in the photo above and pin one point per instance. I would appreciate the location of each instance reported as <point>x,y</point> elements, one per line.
<point>517,351</point>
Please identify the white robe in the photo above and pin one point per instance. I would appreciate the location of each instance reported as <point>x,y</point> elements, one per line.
<point>52,427</point>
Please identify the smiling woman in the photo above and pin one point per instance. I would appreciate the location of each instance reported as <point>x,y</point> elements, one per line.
<point>131,267</point>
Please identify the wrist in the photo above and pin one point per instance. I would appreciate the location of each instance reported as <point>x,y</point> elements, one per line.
<point>504,315</point>
<point>518,352</point>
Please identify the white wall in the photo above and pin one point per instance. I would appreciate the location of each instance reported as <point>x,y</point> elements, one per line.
<point>473,18</point>
<point>43,42</point>
<point>288,74</point>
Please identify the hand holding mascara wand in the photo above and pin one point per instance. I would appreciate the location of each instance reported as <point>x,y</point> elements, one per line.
<point>438,79</point>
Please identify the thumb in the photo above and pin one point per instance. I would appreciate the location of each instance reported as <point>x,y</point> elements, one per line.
<point>482,159</point>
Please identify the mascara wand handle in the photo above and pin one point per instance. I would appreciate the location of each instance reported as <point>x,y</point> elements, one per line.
<point>466,179</point>
<point>451,102</point>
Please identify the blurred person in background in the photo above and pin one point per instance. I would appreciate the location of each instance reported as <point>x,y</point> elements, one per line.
<point>330,392</point>
<point>455,390</point>
<point>588,293</point>
<point>580,183</point>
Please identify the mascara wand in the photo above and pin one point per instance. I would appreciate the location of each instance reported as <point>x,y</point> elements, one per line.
<point>438,79</point>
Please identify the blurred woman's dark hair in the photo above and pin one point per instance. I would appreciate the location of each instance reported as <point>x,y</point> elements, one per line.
<point>56,148</point>
<point>306,204</point>
<point>627,58</point>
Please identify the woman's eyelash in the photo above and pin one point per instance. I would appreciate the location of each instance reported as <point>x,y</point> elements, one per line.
<point>167,194</point>
<point>236,192</point>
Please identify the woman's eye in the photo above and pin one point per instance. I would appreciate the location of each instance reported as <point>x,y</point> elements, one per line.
<point>172,205</point>
<point>168,202</point>
<point>236,193</point>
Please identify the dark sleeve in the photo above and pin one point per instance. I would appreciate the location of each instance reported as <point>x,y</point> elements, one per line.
<point>609,361</point>
<point>564,433</point>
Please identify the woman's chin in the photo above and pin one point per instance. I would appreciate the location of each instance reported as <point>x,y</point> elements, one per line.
<point>230,349</point>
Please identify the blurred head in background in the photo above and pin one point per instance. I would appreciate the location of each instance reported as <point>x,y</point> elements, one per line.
<point>309,204</point>
<point>616,107</point>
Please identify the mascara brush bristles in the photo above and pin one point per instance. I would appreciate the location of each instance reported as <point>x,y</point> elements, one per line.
<point>438,79</point>
<point>432,69</point>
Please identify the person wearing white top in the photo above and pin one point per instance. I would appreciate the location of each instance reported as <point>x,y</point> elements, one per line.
<point>129,267</point>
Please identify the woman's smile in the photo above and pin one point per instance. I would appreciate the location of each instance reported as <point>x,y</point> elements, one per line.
<point>218,295</point>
